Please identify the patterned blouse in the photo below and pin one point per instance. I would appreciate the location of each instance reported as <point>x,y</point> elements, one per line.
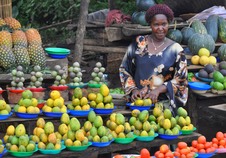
<point>141,69</point>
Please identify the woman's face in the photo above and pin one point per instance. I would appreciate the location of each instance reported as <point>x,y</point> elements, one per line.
<point>159,26</point>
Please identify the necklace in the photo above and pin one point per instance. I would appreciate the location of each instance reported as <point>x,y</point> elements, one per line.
<point>156,47</point>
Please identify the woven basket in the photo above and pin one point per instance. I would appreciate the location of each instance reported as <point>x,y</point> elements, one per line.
<point>113,62</point>
<point>5,8</point>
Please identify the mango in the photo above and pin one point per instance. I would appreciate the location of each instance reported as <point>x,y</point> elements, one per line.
<point>151,133</point>
<point>41,145</point>
<point>143,116</point>
<point>144,133</point>
<point>43,138</point>
<point>168,132</point>
<point>181,121</point>
<point>121,135</point>
<point>30,147</point>
<point>77,93</point>
<point>147,102</point>
<point>50,146</point>
<point>104,90</point>
<point>14,148</point>
<point>167,114</point>
<point>127,127</point>
<point>98,121</point>
<point>79,135</point>
<point>22,148</point>
<point>65,118</point>
<point>107,99</point>
<point>119,119</point>
<point>104,139</point>
<point>49,128</point>
<point>93,131</point>
<point>68,142</point>
<point>157,112</point>
<point>135,113</point>
<point>91,116</point>
<point>23,140</point>
<point>2,104</point>
<point>99,98</point>
<point>146,126</point>
<point>182,112</point>
<point>20,130</point>
<point>10,130</point>
<point>96,138</point>
<point>166,124</point>
<point>74,124</point>
<point>27,94</point>
<point>71,135</point>
<point>77,143</point>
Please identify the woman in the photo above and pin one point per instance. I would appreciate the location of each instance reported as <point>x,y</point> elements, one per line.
<point>154,66</point>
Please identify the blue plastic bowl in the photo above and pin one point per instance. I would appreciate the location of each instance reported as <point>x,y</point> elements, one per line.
<point>55,50</point>
<point>79,112</point>
<point>102,144</point>
<point>103,111</point>
<point>5,117</point>
<point>206,155</point>
<point>53,114</point>
<point>146,138</point>
<point>57,56</point>
<point>3,153</point>
<point>27,115</point>
<point>169,137</point>
<point>199,86</point>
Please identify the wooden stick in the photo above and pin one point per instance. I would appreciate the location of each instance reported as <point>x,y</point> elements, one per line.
<point>54,25</point>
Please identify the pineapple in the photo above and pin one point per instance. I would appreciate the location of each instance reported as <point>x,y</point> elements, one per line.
<point>21,55</point>
<point>2,22</point>
<point>5,39</point>
<point>12,23</point>
<point>37,55</point>
<point>19,38</point>
<point>33,36</point>
<point>7,58</point>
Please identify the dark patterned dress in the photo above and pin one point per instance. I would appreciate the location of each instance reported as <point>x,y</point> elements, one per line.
<point>141,69</point>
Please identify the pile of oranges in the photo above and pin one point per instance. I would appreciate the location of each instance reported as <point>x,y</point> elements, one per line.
<point>219,141</point>
<point>164,151</point>
<point>202,146</point>
<point>183,150</point>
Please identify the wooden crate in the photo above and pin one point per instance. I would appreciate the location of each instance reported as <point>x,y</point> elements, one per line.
<point>5,8</point>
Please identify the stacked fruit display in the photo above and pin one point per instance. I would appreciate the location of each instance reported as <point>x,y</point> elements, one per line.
<point>60,76</point>
<point>27,104</point>
<point>219,82</point>
<point>36,78</point>
<point>207,71</point>
<point>102,99</point>
<point>183,120</point>
<point>119,127</point>
<point>17,140</point>
<point>17,78</point>
<point>183,150</point>
<point>97,74</point>
<point>203,58</point>
<point>164,151</point>
<point>202,146</point>
<point>71,132</point>
<point>5,108</point>
<point>48,140</point>
<point>98,133</point>
<point>78,101</point>
<point>140,124</point>
<point>219,141</point>
<point>55,103</point>
<point>75,75</point>
<point>166,122</point>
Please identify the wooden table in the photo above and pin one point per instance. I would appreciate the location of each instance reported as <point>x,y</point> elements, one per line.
<point>93,152</point>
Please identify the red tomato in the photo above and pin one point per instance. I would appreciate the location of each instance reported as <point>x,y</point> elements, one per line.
<point>144,153</point>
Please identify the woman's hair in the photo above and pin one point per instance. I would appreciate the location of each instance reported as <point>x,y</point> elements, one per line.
<point>159,9</point>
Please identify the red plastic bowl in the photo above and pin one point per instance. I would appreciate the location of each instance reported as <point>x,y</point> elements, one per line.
<point>59,88</point>
<point>37,89</point>
<point>16,90</point>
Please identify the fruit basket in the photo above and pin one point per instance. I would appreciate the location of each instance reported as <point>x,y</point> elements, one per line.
<point>141,108</point>
<point>22,154</point>
<point>78,148</point>
<point>53,114</point>
<point>124,140</point>
<point>52,152</point>
<point>187,132</point>
<point>169,137</point>
<point>27,115</point>
<point>102,144</point>
<point>103,111</point>
<point>5,117</point>
<point>79,112</point>
<point>146,138</point>
<point>59,88</point>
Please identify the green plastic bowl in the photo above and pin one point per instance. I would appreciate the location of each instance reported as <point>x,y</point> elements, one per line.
<point>78,148</point>
<point>52,152</point>
<point>22,154</point>
<point>124,140</point>
<point>146,138</point>
<point>187,132</point>
<point>55,50</point>
<point>94,85</point>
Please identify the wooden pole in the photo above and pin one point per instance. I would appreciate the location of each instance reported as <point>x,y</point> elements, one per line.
<point>80,33</point>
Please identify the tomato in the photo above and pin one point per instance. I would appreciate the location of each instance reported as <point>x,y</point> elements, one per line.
<point>118,156</point>
<point>164,148</point>
<point>182,145</point>
<point>144,153</point>
<point>202,139</point>
<point>220,135</point>
<point>194,143</point>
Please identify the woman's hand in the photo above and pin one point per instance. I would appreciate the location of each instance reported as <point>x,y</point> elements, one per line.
<point>153,95</point>
<point>135,95</point>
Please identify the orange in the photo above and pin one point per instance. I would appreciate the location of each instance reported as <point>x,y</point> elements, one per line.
<point>182,145</point>
<point>164,148</point>
<point>220,135</point>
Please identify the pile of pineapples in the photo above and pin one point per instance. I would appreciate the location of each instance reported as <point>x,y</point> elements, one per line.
<point>18,47</point>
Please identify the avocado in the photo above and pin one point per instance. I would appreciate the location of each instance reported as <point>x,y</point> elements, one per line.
<point>222,65</point>
<point>223,72</point>
<point>209,68</point>
<point>202,73</point>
